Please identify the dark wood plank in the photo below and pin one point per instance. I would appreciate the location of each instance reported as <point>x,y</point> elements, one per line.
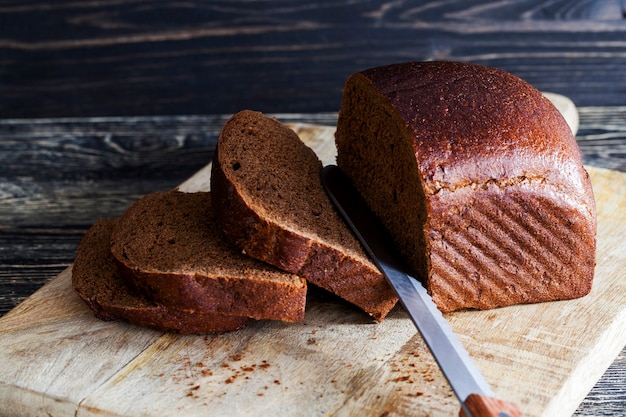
<point>602,137</point>
<point>151,57</point>
<point>608,396</point>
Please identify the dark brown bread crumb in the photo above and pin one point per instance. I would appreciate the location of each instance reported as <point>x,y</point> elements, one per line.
<point>169,246</point>
<point>478,178</point>
<point>97,281</point>
<point>269,200</point>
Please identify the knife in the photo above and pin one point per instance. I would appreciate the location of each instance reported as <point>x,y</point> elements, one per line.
<point>476,397</point>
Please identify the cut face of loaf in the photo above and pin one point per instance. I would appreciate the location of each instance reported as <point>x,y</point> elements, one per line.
<point>478,178</point>
<point>168,246</point>
<point>269,200</point>
<point>96,279</point>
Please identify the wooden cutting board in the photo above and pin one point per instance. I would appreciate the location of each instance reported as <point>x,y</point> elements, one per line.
<point>58,360</point>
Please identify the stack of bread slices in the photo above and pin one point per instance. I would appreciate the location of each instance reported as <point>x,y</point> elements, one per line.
<point>208,262</point>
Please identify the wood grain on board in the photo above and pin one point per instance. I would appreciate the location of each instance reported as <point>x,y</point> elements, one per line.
<point>545,357</point>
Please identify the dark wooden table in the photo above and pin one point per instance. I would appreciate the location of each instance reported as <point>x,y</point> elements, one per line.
<point>103,102</point>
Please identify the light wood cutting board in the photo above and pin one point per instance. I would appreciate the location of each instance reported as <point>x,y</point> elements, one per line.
<point>58,360</point>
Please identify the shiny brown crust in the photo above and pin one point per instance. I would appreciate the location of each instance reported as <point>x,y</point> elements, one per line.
<point>477,176</point>
<point>97,281</point>
<point>271,225</point>
<point>168,246</point>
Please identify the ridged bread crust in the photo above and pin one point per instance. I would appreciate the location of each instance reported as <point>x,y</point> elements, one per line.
<point>478,178</point>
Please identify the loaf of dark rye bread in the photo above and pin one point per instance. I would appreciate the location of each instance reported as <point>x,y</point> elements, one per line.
<point>168,245</point>
<point>478,178</point>
<point>96,279</point>
<point>268,200</point>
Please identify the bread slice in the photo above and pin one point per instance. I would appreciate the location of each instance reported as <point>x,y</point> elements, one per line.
<point>268,199</point>
<point>97,281</point>
<point>169,246</point>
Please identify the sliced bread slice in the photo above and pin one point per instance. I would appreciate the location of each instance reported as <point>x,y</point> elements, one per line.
<point>97,281</point>
<point>168,244</point>
<point>269,200</point>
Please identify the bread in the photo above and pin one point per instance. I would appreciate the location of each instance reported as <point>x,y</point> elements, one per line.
<point>268,200</point>
<point>97,281</point>
<point>478,178</point>
<point>168,246</point>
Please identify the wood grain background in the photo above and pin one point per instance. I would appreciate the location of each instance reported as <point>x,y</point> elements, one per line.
<point>155,57</point>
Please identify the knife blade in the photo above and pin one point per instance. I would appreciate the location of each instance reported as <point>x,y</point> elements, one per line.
<point>476,397</point>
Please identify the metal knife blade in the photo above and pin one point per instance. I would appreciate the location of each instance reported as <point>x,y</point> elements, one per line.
<point>454,361</point>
